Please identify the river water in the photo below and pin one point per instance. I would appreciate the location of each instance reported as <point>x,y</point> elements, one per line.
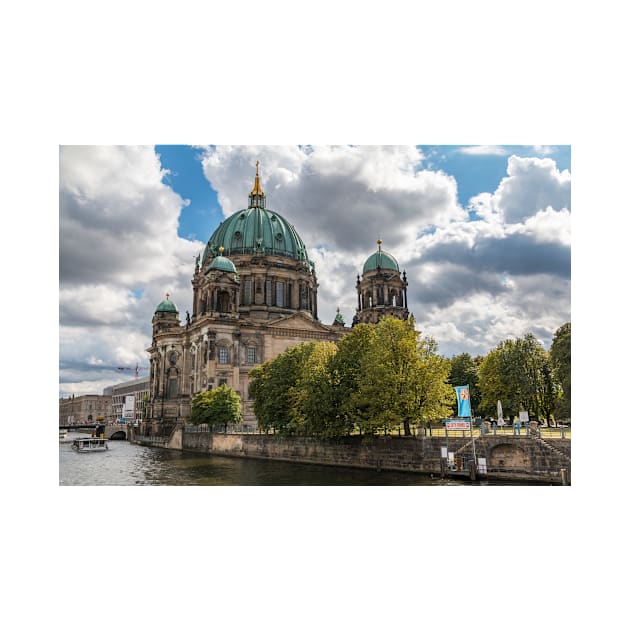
<point>126,464</point>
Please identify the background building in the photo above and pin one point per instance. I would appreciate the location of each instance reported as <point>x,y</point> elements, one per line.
<point>83,409</point>
<point>128,400</point>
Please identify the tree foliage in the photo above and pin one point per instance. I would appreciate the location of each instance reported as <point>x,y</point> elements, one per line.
<point>518,373</point>
<point>402,379</point>
<point>272,388</point>
<point>217,406</point>
<point>377,377</point>
<point>560,352</point>
<point>314,404</point>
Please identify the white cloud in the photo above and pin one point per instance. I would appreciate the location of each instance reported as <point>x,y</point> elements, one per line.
<point>532,184</point>
<point>119,254</point>
<point>482,150</point>
<point>548,226</point>
<point>345,197</point>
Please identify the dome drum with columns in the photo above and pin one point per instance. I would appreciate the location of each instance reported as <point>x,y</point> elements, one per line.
<point>254,296</point>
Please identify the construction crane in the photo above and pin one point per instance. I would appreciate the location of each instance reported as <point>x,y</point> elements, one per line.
<point>136,369</point>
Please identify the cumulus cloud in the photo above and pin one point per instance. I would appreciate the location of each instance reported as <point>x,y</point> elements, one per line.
<point>344,197</point>
<point>119,254</point>
<point>532,184</point>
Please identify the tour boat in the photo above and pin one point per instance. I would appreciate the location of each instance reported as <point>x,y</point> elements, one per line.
<point>63,434</point>
<point>90,445</point>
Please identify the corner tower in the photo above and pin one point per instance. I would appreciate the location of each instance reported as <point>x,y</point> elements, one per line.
<point>381,290</point>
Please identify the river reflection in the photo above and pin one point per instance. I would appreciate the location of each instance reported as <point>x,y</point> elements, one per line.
<point>126,464</point>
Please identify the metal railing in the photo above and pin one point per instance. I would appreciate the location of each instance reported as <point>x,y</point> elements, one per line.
<point>151,439</point>
<point>220,428</point>
<point>553,433</point>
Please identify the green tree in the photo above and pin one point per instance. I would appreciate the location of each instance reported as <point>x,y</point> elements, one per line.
<point>434,394</point>
<point>518,374</point>
<point>313,397</point>
<point>465,371</point>
<point>560,352</point>
<point>345,374</point>
<point>272,388</point>
<point>217,406</point>
<point>402,379</point>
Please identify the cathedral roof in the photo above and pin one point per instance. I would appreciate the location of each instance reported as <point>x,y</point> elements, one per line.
<point>166,306</point>
<point>256,230</point>
<point>380,260</point>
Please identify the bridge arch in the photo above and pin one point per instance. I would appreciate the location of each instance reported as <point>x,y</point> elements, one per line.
<point>118,435</point>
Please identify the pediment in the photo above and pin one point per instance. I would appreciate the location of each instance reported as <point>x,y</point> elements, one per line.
<point>298,322</point>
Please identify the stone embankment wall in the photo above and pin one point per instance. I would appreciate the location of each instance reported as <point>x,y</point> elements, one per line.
<point>509,457</point>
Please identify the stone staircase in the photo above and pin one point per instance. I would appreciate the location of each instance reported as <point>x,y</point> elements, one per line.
<point>563,452</point>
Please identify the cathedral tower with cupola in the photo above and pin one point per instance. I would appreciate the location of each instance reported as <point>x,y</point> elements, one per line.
<point>381,290</point>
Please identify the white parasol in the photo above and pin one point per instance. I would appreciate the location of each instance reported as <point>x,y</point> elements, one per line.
<point>500,420</point>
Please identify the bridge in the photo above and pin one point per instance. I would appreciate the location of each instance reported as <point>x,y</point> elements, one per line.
<point>112,431</point>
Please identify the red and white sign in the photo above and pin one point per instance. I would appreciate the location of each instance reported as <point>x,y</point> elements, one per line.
<point>458,425</point>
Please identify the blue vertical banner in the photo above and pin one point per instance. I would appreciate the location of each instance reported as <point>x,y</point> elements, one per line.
<point>463,401</point>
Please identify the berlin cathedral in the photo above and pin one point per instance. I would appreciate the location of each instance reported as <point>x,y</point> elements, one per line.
<point>254,296</point>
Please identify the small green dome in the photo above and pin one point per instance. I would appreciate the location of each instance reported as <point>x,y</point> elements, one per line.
<point>380,260</point>
<point>166,306</point>
<point>221,263</point>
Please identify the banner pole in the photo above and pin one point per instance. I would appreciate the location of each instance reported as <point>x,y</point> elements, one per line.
<point>472,434</point>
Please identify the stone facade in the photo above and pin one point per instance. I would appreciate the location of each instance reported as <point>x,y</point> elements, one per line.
<point>83,409</point>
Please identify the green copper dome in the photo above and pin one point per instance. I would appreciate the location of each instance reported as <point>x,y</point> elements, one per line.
<point>166,306</point>
<point>380,260</point>
<point>221,263</point>
<point>256,230</point>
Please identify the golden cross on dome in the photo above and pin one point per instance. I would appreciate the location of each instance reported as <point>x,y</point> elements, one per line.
<point>257,190</point>
<point>168,295</point>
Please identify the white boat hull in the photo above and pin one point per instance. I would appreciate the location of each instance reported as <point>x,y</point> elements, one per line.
<point>90,445</point>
